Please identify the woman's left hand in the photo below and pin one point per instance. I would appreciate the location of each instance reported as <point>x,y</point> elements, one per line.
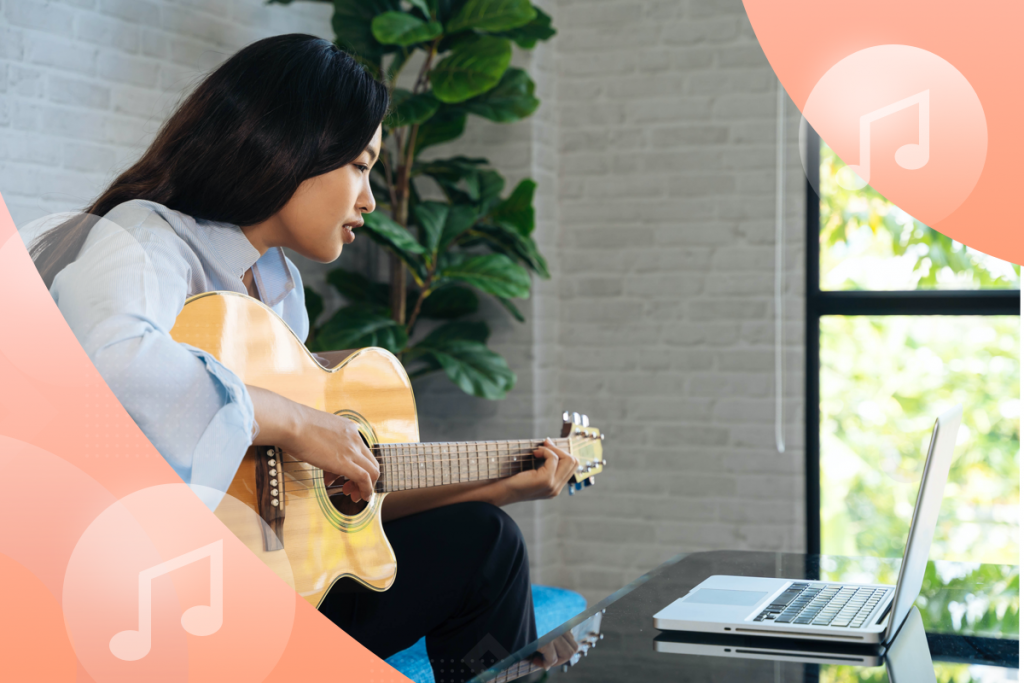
<point>547,481</point>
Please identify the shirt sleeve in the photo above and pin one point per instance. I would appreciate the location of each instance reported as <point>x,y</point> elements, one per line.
<point>121,297</point>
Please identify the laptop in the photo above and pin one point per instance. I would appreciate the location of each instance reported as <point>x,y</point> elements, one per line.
<point>825,610</point>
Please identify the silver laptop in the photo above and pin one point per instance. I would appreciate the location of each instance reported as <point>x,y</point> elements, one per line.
<point>823,610</point>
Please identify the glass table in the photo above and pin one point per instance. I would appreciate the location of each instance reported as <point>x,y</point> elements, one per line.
<point>969,614</point>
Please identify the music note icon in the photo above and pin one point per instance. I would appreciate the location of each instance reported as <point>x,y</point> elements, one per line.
<point>911,156</point>
<point>200,620</point>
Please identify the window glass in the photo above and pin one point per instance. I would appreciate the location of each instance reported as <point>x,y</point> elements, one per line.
<point>883,381</point>
<point>869,243</point>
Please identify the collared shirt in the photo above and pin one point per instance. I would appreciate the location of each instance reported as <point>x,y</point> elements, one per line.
<point>121,296</point>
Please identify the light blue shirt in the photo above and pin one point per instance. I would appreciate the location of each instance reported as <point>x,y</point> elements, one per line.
<point>121,296</point>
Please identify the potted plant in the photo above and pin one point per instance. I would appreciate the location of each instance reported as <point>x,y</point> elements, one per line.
<point>442,254</point>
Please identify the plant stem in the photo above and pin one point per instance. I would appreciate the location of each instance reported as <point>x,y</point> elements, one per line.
<point>424,291</point>
<point>400,200</point>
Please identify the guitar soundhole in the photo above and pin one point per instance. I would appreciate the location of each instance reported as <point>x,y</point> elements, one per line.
<point>345,506</point>
<point>340,501</point>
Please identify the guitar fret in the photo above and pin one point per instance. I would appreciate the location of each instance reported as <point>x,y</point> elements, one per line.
<point>409,466</point>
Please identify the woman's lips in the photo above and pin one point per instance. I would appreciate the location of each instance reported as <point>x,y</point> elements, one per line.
<point>347,236</point>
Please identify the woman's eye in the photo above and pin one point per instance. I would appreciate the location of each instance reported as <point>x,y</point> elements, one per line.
<point>363,168</point>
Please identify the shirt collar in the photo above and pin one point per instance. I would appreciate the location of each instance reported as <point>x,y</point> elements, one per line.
<point>271,274</point>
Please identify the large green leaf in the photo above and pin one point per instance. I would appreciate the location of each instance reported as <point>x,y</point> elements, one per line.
<point>358,289</point>
<point>452,169</point>
<point>526,36</point>
<point>506,240</point>
<point>361,325</point>
<point>421,5</point>
<point>442,223</point>
<point>460,218</point>
<point>383,226</point>
<point>474,67</point>
<point>491,185</point>
<point>389,234</point>
<point>492,15</point>
<point>447,124</point>
<point>408,109</point>
<point>352,22</point>
<point>511,100</point>
<point>401,28</point>
<point>472,330</point>
<point>517,211</point>
<point>431,217</point>
<point>511,308</point>
<point>474,368</point>
<point>446,9</point>
<point>450,173</point>
<point>495,274</point>
<point>314,305</point>
<point>449,302</point>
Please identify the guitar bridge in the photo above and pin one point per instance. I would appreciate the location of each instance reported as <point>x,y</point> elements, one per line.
<point>270,496</point>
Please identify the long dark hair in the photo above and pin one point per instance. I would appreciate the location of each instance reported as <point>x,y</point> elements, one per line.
<point>278,112</point>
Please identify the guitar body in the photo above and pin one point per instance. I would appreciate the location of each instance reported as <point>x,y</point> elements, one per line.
<point>370,387</point>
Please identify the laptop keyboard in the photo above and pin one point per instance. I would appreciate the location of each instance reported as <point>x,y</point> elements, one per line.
<point>821,604</point>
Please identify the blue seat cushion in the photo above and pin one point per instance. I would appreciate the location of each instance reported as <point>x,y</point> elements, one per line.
<point>551,607</point>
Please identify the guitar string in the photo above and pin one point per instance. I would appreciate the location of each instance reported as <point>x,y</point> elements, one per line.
<point>299,489</point>
<point>500,460</point>
<point>506,464</point>
<point>422,476</point>
<point>457,468</point>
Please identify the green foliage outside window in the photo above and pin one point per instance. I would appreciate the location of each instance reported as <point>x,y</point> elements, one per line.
<point>884,379</point>
<point>867,242</point>
<point>474,241</point>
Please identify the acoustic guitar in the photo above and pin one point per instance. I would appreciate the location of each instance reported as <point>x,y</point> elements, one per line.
<point>321,534</point>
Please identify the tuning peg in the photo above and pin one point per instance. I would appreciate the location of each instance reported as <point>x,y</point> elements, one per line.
<point>566,417</point>
<point>575,418</point>
<point>586,421</point>
<point>590,481</point>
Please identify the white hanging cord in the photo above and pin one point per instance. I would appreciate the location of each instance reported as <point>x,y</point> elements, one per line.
<point>780,262</point>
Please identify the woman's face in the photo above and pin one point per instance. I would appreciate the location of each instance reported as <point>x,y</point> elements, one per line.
<point>318,220</point>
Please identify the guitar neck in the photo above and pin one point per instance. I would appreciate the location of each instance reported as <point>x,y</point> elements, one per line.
<point>405,466</point>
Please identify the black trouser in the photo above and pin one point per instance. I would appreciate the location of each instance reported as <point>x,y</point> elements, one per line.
<point>463,582</point>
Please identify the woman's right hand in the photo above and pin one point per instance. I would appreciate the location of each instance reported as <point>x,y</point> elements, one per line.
<point>324,440</point>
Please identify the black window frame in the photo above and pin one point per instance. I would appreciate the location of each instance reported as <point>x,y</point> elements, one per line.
<point>857,303</point>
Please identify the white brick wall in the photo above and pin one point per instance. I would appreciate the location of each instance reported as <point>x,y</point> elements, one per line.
<point>84,84</point>
<point>654,149</point>
<point>666,206</point>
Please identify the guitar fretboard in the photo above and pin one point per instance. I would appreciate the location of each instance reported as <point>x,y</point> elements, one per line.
<point>407,466</point>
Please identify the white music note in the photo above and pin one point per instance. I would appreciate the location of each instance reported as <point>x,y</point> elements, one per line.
<point>911,156</point>
<point>200,620</point>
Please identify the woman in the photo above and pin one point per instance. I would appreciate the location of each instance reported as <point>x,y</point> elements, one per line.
<point>271,150</point>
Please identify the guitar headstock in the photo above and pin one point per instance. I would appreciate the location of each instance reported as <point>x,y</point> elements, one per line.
<point>586,446</point>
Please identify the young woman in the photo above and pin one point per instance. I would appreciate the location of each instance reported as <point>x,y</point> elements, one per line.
<point>274,149</point>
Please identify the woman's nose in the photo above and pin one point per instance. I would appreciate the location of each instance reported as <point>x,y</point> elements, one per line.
<point>367,202</point>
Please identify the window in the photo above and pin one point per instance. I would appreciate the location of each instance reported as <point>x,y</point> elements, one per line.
<point>903,321</point>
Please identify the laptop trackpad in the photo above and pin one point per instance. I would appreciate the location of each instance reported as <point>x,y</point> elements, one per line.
<point>716,596</point>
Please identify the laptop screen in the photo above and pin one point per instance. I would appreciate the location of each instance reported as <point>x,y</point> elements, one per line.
<point>926,515</point>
